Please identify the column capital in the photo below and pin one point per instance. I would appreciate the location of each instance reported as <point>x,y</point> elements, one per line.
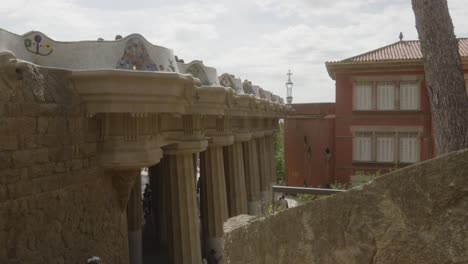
<point>221,140</point>
<point>258,134</point>
<point>242,136</point>
<point>129,155</point>
<point>186,147</point>
<point>269,132</point>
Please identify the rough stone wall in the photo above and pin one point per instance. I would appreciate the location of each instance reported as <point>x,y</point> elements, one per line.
<point>56,205</point>
<point>418,214</point>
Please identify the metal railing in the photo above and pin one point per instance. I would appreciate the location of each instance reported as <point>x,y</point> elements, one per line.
<point>301,190</point>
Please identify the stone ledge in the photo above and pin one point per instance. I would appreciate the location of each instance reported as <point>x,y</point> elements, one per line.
<point>412,215</point>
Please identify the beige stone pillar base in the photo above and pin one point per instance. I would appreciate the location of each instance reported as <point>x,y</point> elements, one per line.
<point>135,246</point>
<point>254,208</point>
<point>216,244</point>
<point>252,180</point>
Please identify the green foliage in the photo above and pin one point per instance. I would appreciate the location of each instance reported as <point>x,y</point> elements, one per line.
<point>279,155</point>
<point>340,186</point>
<point>304,198</point>
<point>361,178</point>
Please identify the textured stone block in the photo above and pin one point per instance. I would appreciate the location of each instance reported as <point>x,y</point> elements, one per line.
<point>29,141</point>
<point>413,215</point>
<point>8,143</point>
<point>3,194</point>
<point>27,125</point>
<point>19,189</point>
<point>5,160</point>
<point>76,164</point>
<point>47,184</point>
<point>10,176</point>
<point>89,149</point>
<point>49,141</point>
<point>23,158</point>
<point>42,124</point>
<point>41,155</point>
<point>40,170</point>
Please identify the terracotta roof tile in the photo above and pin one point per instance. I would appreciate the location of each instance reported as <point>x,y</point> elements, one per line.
<point>401,50</point>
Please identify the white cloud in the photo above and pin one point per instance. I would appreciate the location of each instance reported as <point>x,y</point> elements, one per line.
<point>257,40</point>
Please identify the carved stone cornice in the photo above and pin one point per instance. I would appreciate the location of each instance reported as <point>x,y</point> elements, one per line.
<point>187,147</point>
<point>135,115</point>
<point>221,140</point>
<point>212,100</point>
<point>117,91</point>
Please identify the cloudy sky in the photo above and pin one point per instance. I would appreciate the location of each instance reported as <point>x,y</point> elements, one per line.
<point>257,40</point>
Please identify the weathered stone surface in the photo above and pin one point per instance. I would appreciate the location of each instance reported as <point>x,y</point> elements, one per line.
<point>8,143</point>
<point>418,214</point>
<point>56,204</point>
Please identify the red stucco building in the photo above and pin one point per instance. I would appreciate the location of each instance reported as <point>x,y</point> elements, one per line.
<point>381,119</point>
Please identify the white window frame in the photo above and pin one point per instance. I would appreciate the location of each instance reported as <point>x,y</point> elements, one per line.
<point>362,147</point>
<point>409,152</point>
<point>397,136</point>
<point>386,96</point>
<point>410,100</point>
<point>362,101</point>
<point>385,147</point>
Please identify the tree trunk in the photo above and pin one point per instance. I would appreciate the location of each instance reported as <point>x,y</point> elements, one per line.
<point>444,75</point>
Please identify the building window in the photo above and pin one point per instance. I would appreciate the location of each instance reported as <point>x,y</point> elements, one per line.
<point>362,147</point>
<point>385,95</point>
<point>409,96</point>
<point>409,147</point>
<point>385,147</point>
<point>362,99</point>
<point>389,147</point>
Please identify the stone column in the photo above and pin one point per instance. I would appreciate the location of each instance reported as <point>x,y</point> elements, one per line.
<point>264,172</point>
<point>252,180</point>
<point>272,157</point>
<point>214,200</point>
<point>235,179</point>
<point>134,223</point>
<point>158,176</point>
<point>182,215</point>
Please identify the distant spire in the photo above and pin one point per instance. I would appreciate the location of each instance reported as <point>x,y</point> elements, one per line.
<point>401,36</point>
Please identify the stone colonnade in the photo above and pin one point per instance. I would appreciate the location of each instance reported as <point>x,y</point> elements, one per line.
<point>164,129</point>
<point>160,117</point>
<point>224,193</point>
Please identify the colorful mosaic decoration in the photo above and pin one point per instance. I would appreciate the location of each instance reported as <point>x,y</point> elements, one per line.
<point>136,57</point>
<point>38,46</point>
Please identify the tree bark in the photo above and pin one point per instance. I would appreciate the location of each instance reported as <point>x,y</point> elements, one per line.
<point>444,75</point>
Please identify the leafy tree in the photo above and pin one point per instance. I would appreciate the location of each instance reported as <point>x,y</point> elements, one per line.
<point>444,74</point>
<point>279,154</point>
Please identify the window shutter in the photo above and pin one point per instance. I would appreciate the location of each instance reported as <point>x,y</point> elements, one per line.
<point>409,148</point>
<point>385,147</point>
<point>362,98</point>
<point>386,95</point>
<point>362,147</point>
<point>409,96</point>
